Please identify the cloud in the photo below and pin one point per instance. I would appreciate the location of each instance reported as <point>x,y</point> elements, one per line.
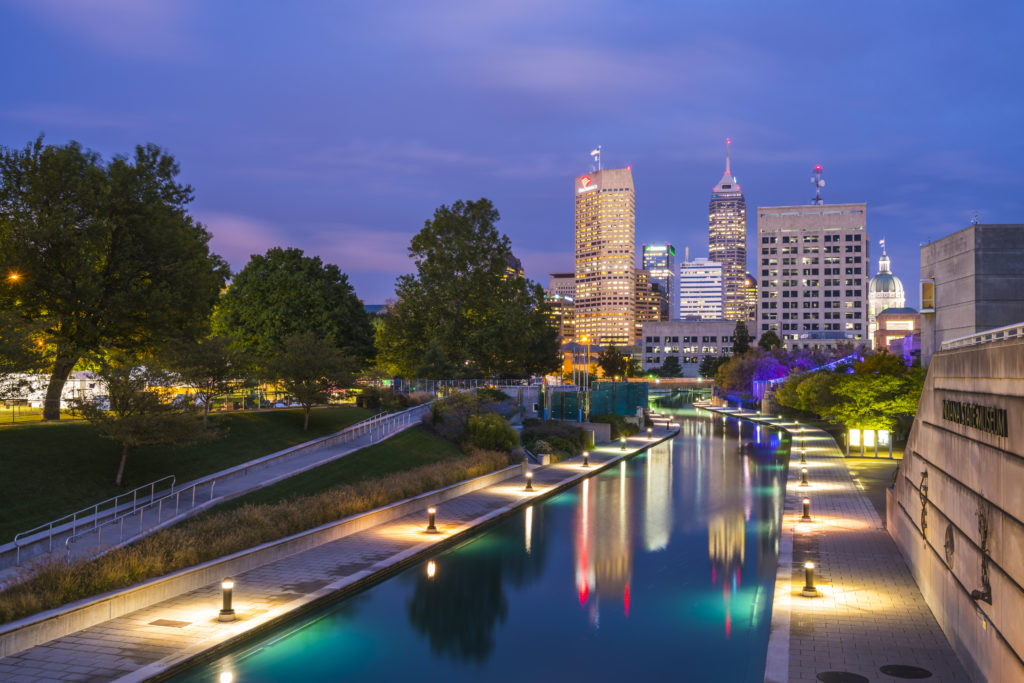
<point>69,116</point>
<point>236,237</point>
<point>136,28</point>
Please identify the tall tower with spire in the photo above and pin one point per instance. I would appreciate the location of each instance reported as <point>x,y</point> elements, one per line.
<point>727,239</point>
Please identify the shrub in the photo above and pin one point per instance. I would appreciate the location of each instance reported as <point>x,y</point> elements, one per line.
<point>618,423</point>
<point>382,398</point>
<point>449,417</point>
<point>492,395</point>
<point>492,432</point>
<point>551,431</point>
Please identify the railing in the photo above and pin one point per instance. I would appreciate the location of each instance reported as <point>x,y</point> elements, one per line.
<point>95,512</point>
<point>436,386</point>
<point>1013,331</point>
<point>158,504</point>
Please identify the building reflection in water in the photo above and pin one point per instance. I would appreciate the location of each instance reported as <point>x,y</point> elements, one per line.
<point>604,554</point>
<point>658,513</point>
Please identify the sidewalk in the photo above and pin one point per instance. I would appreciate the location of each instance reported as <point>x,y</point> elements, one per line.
<point>201,494</point>
<point>155,639</point>
<point>870,613</point>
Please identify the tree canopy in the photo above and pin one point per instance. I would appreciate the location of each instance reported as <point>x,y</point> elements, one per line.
<point>309,368</point>
<point>101,256</point>
<point>283,293</point>
<point>613,363</point>
<point>769,340</point>
<point>740,339</point>
<point>462,309</point>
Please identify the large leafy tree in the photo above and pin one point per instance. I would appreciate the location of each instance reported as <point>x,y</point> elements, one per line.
<point>462,308</point>
<point>612,362</point>
<point>101,256</point>
<point>284,293</point>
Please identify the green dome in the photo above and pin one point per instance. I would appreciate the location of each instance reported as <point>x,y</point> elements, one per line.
<point>885,283</point>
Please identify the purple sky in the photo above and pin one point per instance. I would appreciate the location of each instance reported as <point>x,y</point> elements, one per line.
<point>337,127</point>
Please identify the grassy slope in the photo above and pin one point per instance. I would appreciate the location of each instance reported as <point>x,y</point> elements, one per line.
<point>411,448</point>
<point>53,469</point>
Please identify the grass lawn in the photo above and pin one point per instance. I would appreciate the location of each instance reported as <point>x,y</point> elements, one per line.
<point>404,451</point>
<point>50,470</point>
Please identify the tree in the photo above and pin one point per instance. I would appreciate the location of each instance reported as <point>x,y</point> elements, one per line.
<point>671,367</point>
<point>740,339</point>
<point>106,256</point>
<point>137,415</point>
<point>206,367</point>
<point>612,363</point>
<point>283,293</point>
<point>462,305</point>
<point>309,368</point>
<point>769,340</point>
<point>709,365</point>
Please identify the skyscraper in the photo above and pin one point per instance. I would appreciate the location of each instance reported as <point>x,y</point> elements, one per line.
<point>727,239</point>
<point>750,287</point>
<point>660,260</point>
<point>651,302</point>
<point>700,289</point>
<point>814,268</point>
<point>606,257</point>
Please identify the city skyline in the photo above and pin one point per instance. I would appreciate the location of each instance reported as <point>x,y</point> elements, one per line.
<point>311,134</point>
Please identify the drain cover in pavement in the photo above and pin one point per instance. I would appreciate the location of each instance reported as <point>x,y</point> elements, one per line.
<point>841,677</point>
<point>905,671</point>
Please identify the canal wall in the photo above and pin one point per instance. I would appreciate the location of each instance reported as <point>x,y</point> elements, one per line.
<point>956,510</point>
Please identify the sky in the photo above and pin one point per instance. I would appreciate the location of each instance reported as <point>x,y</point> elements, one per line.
<point>338,127</point>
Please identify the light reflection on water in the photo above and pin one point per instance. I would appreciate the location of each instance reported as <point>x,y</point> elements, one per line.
<point>660,565</point>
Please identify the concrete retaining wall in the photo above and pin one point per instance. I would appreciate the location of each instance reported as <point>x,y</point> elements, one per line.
<point>957,513</point>
<point>40,628</point>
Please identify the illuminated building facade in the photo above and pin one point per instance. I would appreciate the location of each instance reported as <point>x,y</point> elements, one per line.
<point>660,261</point>
<point>688,340</point>
<point>562,315</point>
<point>727,240</point>
<point>813,267</point>
<point>562,284</point>
<point>885,290</point>
<point>750,299</point>
<point>513,268</point>
<point>606,257</point>
<point>651,303</point>
<point>700,289</point>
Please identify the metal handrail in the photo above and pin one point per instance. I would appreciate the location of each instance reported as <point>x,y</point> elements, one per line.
<point>94,510</point>
<point>141,511</point>
<point>996,334</point>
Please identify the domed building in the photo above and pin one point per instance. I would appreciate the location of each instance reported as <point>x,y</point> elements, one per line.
<point>885,290</point>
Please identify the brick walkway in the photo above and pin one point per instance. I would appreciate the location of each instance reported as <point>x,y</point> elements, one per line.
<point>870,612</point>
<point>146,642</point>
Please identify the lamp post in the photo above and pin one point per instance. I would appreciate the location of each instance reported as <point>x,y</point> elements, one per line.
<point>807,510</point>
<point>586,458</point>
<point>529,481</point>
<point>431,516</point>
<point>226,612</point>
<point>622,444</point>
<point>803,477</point>
<point>809,591</point>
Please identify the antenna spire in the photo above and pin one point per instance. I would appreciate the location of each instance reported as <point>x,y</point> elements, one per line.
<point>597,156</point>
<point>818,184</point>
<point>727,143</point>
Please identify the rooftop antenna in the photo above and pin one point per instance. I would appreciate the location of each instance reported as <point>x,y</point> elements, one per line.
<point>727,143</point>
<point>597,156</point>
<point>818,183</point>
<point>974,218</point>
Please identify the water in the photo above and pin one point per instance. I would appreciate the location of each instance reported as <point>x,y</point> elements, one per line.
<point>662,566</point>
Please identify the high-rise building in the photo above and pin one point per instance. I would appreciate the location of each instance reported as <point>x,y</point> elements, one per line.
<point>814,266</point>
<point>562,284</point>
<point>700,289</point>
<point>606,257</point>
<point>513,268</point>
<point>651,302</point>
<point>660,260</point>
<point>750,300</point>
<point>562,315</point>
<point>727,239</point>
<point>885,290</point>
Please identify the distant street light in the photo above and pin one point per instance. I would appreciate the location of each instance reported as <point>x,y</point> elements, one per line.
<point>13,277</point>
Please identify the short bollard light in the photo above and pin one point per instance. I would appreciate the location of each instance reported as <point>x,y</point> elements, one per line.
<point>809,590</point>
<point>586,458</point>
<point>807,510</point>
<point>803,477</point>
<point>226,612</point>
<point>622,443</point>
<point>431,516</point>
<point>803,456</point>
<point>529,481</point>
<point>649,432</point>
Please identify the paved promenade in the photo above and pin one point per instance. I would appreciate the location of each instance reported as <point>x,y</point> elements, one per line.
<point>144,643</point>
<point>870,613</point>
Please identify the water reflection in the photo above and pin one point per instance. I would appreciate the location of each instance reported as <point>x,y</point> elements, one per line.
<point>604,558</point>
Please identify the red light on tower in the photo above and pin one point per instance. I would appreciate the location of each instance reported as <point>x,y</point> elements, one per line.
<point>817,169</point>
<point>629,167</point>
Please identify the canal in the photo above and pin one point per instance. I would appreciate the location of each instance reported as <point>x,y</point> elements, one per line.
<point>660,566</point>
